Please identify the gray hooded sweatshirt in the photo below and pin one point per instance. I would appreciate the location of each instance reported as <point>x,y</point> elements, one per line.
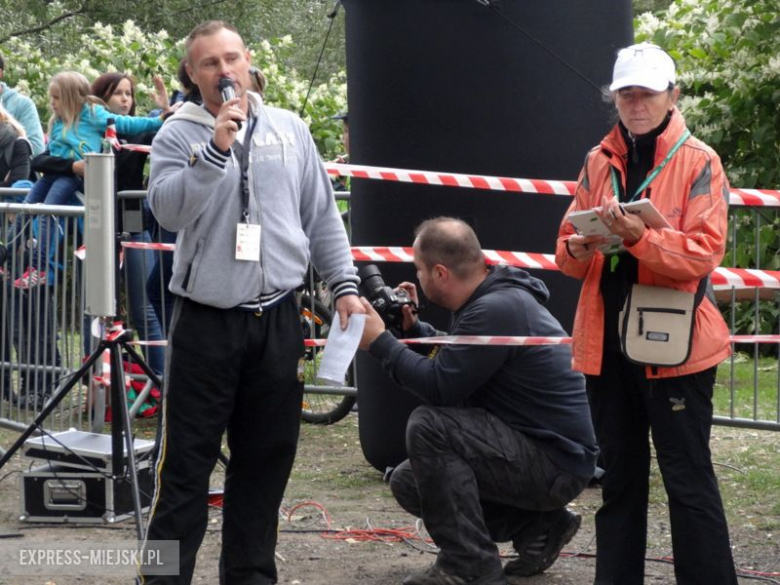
<point>196,191</point>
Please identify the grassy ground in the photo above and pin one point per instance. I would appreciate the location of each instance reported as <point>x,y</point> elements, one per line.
<point>331,476</point>
<point>755,388</point>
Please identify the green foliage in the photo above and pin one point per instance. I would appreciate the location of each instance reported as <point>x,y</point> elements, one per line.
<point>55,26</point>
<point>287,89</point>
<point>129,49</point>
<point>640,6</point>
<point>103,48</point>
<point>729,73</point>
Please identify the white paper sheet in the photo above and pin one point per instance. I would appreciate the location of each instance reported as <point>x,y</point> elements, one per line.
<point>340,349</point>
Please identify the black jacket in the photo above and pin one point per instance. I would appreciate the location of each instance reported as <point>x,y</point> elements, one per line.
<point>15,156</point>
<point>531,388</point>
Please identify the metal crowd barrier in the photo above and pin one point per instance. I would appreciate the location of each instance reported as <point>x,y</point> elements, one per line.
<point>748,387</point>
<point>44,335</point>
<point>42,329</point>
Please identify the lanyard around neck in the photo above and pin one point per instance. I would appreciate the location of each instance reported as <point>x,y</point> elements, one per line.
<point>246,147</point>
<point>653,174</point>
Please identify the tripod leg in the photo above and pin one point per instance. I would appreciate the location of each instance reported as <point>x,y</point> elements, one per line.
<point>53,402</point>
<point>121,425</point>
<point>137,358</point>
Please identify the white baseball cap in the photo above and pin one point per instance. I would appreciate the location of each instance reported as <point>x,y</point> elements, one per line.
<point>644,65</point>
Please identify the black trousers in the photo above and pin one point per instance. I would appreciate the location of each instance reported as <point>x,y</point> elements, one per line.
<point>475,481</point>
<point>228,369</point>
<point>678,414</point>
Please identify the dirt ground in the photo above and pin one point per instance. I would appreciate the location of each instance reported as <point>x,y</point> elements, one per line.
<point>331,472</point>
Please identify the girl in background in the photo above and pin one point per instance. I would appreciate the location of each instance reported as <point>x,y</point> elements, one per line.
<point>117,90</point>
<point>15,150</point>
<point>76,127</point>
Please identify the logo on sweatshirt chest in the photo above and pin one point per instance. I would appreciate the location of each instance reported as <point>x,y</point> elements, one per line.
<point>262,139</point>
<point>273,147</point>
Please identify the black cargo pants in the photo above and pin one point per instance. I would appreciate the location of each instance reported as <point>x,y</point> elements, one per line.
<point>475,481</point>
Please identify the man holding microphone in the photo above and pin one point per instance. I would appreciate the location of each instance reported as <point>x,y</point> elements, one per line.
<point>243,185</point>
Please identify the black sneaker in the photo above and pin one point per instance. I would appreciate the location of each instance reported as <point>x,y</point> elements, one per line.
<point>537,553</point>
<point>434,575</point>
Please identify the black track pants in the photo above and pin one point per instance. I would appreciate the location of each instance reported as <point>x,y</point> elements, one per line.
<point>228,369</point>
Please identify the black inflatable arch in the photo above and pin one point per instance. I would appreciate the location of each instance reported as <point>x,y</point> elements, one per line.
<point>454,86</point>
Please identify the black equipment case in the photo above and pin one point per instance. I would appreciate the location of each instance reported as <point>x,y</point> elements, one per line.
<point>74,482</point>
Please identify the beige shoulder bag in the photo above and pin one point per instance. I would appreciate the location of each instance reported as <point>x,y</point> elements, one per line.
<point>656,324</point>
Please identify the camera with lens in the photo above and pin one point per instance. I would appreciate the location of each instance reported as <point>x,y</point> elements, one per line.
<point>387,302</point>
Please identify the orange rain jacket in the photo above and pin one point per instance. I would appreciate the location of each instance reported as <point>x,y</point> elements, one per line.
<point>692,193</point>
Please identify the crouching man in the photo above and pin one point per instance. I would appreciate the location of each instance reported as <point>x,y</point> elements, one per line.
<point>504,440</point>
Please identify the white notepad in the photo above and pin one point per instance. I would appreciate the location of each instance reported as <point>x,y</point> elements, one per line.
<point>587,223</point>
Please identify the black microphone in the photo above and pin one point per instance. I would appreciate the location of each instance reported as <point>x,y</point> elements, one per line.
<point>228,93</point>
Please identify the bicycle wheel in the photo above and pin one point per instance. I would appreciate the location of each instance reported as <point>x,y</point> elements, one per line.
<point>320,409</point>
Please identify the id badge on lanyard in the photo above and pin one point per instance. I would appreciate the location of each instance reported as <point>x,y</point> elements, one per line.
<point>248,242</point>
<point>247,234</point>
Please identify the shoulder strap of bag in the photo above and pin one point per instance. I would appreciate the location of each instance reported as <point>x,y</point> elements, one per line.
<point>700,292</point>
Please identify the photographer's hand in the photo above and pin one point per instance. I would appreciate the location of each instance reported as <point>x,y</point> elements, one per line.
<point>410,313</point>
<point>346,306</point>
<point>374,326</point>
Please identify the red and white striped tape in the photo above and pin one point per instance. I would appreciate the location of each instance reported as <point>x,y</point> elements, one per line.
<point>722,278</point>
<point>543,186</point>
<point>488,340</point>
<point>754,338</point>
<point>150,246</point>
<point>754,198</point>
<point>147,148</point>
<point>496,340</point>
<point>519,340</point>
<point>738,197</point>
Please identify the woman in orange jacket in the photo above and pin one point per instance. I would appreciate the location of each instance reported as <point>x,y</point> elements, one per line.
<point>650,154</point>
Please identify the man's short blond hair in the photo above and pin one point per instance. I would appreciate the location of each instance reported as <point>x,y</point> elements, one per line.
<point>205,29</point>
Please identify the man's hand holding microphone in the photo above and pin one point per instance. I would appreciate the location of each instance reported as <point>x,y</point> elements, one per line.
<point>230,116</point>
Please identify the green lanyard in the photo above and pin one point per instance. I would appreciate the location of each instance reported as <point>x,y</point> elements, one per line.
<point>653,174</point>
<point>649,179</point>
